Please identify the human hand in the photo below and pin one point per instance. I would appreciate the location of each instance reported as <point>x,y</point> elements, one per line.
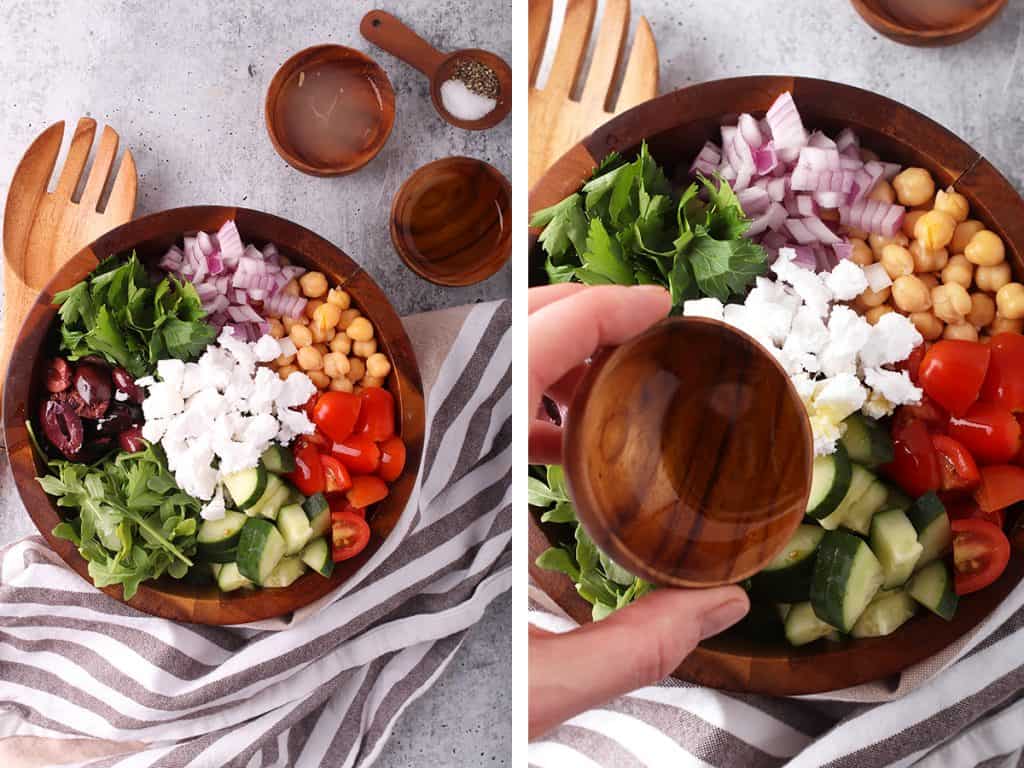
<point>643,642</point>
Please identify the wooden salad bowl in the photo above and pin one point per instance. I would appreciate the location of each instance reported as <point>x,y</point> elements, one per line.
<point>675,126</point>
<point>150,237</point>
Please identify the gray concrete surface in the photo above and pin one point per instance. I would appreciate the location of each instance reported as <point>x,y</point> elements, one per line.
<point>183,84</point>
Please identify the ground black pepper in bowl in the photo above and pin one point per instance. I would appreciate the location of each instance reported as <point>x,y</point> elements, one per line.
<point>477,77</point>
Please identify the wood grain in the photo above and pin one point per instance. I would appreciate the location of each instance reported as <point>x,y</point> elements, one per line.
<point>42,230</point>
<point>676,125</point>
<point>150,236</point>
<point>929,24</point>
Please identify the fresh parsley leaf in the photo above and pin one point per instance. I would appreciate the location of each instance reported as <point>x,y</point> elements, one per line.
<point>604,256</point>
<point>566,227</point>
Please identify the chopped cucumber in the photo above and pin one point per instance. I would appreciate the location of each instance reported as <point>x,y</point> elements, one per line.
<point>278,459</point>
<point>803,626</point>
<point>932,587</point>
<point>219,555</point>
<point>931,522</point>
<point>783,610</point>
<point>830,480</point>
<point>860,481</point>
<point>787,578</point>
<point>260,549</point>
<point>314,505</point>
<point>866,441</point>
<point>246,487</point>
<point>317,555</point>
<point>846,577</point>
<point>894,542</point>
<point>294,527</point>
<point>897,499</point>
<point>285,573</point>
<point>321,524</point>
<point>219,535</point>
<point>885,614</point>
<point>858,516</point>
<point>230,578</point>
<point>273,499</point>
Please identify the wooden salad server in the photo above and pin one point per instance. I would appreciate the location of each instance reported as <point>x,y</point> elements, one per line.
<point>557,120</point>
<point>42,229</point>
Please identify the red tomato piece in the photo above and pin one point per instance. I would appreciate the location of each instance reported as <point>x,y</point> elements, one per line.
<point>965,508</point>
<point>915,465</point>
<point>308,475</point>
<point>336,477</point>
<point>310,405</point>
<point>359,453</point>
<point>1004,382</point>
<point>989,432</point>
<point>339,505</point>
<point>953,371</point>
<point>336,413</point>
<point>912,365</point>
<point>349,536</point>
<point>392,459</point>
<point>980,554</point>
<point>1001,486</point>
<point>1020,456</point>
<point>959,470</point>
<point>928,411</point>
<point>377,417</point>
<point>366,490</point>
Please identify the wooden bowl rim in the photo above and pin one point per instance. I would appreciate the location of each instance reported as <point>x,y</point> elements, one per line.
<point>209,604</point>
<point>504,101</point>
<point>718,663</point>
<point>894,30</point>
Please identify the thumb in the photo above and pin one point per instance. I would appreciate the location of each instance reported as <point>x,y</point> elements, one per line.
<point>635,646</point>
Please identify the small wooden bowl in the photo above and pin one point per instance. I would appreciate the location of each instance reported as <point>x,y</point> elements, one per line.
<point>387,32</point>
<point>920,29</point>
<point>375,107</point>
<point>463,233</point>
<point>150,237</point>
<point>676,125</point>
<point>687,453</point>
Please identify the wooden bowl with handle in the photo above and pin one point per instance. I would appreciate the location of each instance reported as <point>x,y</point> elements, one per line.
<point>676,126</point>
<point>150,237</point>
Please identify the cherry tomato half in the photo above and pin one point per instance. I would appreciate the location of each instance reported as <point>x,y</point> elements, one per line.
<point>989,432</point>
<point>928,411</point>
<point>349,536</point>
<point>359,453</point>
<point>959,470</point>
<point>377,417</point>
<point>952,373</point>
<point>308,475</point>
<point>915,464</point>
<point>339,505</point>
<point>1001,486</point>
<point>336,477</point>
<point>392,459</point>
<point>912,365</point>
<point>965,508</point>
<point>336,413</point>
<point>980,554</point>
<point>1004,383</point>
<point>366,490</point>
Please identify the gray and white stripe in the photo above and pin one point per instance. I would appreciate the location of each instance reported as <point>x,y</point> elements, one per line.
<point>324,687</point>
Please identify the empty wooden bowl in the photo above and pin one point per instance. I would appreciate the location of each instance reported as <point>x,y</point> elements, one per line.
<point>928,23</point>
<point>451,221</point>
<point>688,453</point>
<point>329,110</point>
<point>676,126</point>
<point>387,32</point>
<point>150,237</point>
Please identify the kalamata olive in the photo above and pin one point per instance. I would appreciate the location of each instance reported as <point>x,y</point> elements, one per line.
<point>131,440</point>
<point>92,384</point>
<point>62,427</point>
<point>124,382</point>
<point>58,375</point>
<point>118,418</point>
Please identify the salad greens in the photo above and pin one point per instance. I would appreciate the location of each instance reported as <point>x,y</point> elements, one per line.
<point>628,226</point>
<point>599,580</point>
<point>120,314</point>
<point>133,523</point>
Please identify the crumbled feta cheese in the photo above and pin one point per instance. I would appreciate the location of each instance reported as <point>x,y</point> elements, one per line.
<point>877,406</point>
<point>266,349</point>
<point>892,339</point>
<point>709,307</point>
<point>840,396</point>
<point>171,372</point>
<point>297,389</point>
<point>847,280</point>
<point>848,332</point>
<point>826,434</point>
<point>163,401</point>
<point>215,509</point>
<point>894,386</point>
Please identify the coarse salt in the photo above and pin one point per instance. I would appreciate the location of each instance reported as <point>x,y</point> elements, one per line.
<point>462,103</point>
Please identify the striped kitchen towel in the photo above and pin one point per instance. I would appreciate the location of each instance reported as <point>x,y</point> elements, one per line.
<point>962,708</point>
<point>85,680</point>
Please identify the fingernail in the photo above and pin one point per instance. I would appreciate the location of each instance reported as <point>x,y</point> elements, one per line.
<point>722,617</point>
<point>649,288</point>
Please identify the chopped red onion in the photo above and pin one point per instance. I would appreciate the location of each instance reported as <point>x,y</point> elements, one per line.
<point>750,131</point>
<point>821,141</point>
<point>787,128</point>
<point>774,218</point>
<point>873,216</point>
<point>707,160</point>
<point>805,205</point>
<point>230,241</point>
<point>820,231</point>
<point>847,139</point>
<point>766,159</point>
<point>753,200</point>
<point>842,250</point>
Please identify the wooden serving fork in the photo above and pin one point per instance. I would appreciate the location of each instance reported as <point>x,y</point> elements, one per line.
<point>557,121</point>
<point>42,230</point>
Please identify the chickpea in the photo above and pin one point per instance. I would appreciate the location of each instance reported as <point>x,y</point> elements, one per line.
<point>339,298</point>
<point>276,328</point>
<point>378,366</point>
<point>371,381</point>
<point>927,324</point>
<point>326,316</point>
<point>357,369</point>
<point>309,359</point>
<point>875,298</point>
<point>935,229</point>
<point>953,203</point>
<point>286,371</point>
<point>883,191</point>
<point>364,349</point>
<point>993,278</point>
<point>341,384</point>
<point>958,270</point>
<point>897,261</point>
<point>322,348</point>
<point>360,329</point>
<point>951,302</point>
<point>314,284</point>
<point>347,316</point>
<point>926,260</point>
<point>301,336</point>
<point>320,379</point>
<point>284,360</point>
<point>878,242</point>
<point>868,156</point>
<point>875,314</point>
<point>961,331</point>
<point>319,335</point>
<point>341,344</point>
<point>963,233</point>
<point>288,322</point>
<point>914,186</point>
<point>861,254</point>
<point>910,220</point>
<point>291,288</point>
<point>910,294</point>
<point>1010,301</point>
<point>335,364</point>
<point>1005,325</point>
<point>985,249</point>
<point>929,279</point>
<point>983,310</point>
<point>853,232</point>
